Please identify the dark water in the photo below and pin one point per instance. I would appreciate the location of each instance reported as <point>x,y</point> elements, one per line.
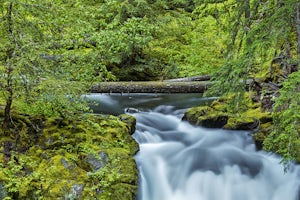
<point>117,103</point>
<point>178,161</point>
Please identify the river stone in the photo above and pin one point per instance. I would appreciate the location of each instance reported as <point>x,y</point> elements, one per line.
<point>214,121</point>
<point>132,110</point>
<point>97,163</point>
<point>64,162</point>
<point>76,191</point>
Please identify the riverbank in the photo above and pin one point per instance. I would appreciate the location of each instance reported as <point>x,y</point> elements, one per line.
<point>84,157</point>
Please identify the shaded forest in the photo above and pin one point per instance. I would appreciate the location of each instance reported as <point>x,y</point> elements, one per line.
<point>52,48</point>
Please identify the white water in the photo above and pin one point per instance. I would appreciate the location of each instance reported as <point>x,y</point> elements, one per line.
<point>177,161</point>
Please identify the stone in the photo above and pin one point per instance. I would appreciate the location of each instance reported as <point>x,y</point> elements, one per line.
<point>130,121</point>
<point>97,163</point>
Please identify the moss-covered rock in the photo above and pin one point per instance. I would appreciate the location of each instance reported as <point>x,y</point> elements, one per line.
<point>261,134</point>
<point>216,115</point>
<point>241,123</point>
<point>206,116</point>
<point>87,157</point>
<point>130,121</point>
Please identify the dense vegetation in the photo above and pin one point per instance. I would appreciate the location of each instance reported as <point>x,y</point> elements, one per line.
<point>52,48</point>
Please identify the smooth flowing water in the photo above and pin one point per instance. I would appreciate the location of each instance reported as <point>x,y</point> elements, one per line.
<point>178,161</point>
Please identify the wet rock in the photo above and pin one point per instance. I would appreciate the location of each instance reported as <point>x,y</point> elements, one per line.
<point>214,121</point>
<point>130,121</point>
<point>76,192</point>
<point>132,110</point>
<point>206,117</point>
<point>97,162</point>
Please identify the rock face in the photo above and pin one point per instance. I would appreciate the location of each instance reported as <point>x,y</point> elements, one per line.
<point>87,157</point>
<point>216,116</point>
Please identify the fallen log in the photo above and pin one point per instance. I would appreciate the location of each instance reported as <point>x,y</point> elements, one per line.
<point>150,87</point>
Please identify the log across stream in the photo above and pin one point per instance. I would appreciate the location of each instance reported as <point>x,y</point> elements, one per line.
<point>151,87</point>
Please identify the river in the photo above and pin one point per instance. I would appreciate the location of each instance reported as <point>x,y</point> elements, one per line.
<point>178,161</point>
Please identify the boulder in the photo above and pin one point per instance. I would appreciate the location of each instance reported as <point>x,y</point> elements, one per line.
<point>83,157</point>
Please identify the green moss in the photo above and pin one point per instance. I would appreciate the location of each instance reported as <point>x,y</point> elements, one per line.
<point>219,105</point>
<point>92,153</point>
<point>206,116</point>
<point>258,114</point>
<point>264,130</point>
<point>241,123</point>
<point>192,115</point>
<point>250,117</point>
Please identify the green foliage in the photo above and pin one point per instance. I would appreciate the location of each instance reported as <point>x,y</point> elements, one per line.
<point>261,42</point>
<point>54,98</point>
<point>285,138</point>
<point>40,72</point>
<point>192,44</point>
<point>258,33</point>
<point>123,43</point>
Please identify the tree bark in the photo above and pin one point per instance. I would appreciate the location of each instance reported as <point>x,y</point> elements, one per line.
<point>7,122</point>
<point>8,87</point>
<point>7,116</point>
<point>298,30</point>
<point>150,87</point>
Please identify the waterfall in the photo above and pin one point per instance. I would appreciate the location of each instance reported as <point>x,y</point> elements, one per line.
<point>178,161</point>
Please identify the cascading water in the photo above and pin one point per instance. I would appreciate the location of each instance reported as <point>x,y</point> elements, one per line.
<point>178,161</point>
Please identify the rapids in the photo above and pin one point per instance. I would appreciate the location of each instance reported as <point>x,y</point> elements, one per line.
<point>178,161</point>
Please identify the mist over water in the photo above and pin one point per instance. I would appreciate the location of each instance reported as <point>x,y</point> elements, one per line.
<point>178,161</point>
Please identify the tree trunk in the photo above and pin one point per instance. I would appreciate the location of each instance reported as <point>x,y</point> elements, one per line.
<point>298,30</point>
<point>149,87</point>
<point>7,111</point>
<point>9,54</point>
<point>7,122</point>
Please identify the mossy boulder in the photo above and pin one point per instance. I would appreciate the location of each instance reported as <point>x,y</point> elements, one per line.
<point>86,157</point>
<point>241,123</point>
<point>252,119</point>
<point>130,121</point>
<point>206,116</point>
<point>216,115</point>
<point>262,133</point>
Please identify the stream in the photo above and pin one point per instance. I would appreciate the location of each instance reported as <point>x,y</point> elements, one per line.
<point>178,161</point>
